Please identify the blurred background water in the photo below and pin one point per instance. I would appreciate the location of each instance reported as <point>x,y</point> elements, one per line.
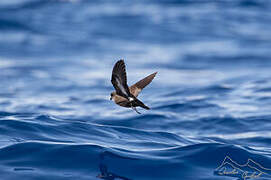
<point>210,99</point>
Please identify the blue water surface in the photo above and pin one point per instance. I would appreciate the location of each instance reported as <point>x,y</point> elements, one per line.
<point>210,114</point>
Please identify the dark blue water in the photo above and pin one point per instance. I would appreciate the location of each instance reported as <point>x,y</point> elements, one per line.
<point>211,99</point>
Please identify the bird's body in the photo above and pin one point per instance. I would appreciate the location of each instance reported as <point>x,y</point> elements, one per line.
<point>127,96</point>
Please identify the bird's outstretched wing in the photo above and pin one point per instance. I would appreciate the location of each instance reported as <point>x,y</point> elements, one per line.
<point>137,87</point>
<point>119,79</point>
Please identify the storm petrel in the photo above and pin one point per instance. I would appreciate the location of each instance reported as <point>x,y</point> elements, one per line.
<point>127,96</point>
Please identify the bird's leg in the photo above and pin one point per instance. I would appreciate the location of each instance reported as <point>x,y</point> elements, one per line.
<point>131,103</point>
<point>134,108</point>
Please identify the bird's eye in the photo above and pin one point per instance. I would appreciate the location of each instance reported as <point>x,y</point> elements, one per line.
<point>111,94</point>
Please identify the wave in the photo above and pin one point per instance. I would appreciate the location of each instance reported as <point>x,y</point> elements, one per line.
<point>191,161</point>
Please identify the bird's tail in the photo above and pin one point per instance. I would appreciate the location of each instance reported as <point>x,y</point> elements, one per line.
<point>141,104</point>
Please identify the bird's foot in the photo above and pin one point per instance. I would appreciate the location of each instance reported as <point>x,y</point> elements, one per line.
<point>134,108</point>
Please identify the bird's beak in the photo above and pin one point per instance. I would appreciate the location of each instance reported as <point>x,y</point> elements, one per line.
<point>110,98</point>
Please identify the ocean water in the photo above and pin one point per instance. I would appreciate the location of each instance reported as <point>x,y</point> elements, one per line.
<point>210,102</point>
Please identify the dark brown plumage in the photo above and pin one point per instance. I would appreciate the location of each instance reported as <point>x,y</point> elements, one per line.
<point>127,96</point>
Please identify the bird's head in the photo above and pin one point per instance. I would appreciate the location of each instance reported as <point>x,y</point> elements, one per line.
<point>111,96</point>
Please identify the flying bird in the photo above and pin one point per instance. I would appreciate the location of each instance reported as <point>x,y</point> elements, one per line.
<point>127,96</point>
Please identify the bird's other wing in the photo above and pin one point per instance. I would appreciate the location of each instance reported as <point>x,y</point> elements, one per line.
<point>137,87</point>
<point>119,79</point>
